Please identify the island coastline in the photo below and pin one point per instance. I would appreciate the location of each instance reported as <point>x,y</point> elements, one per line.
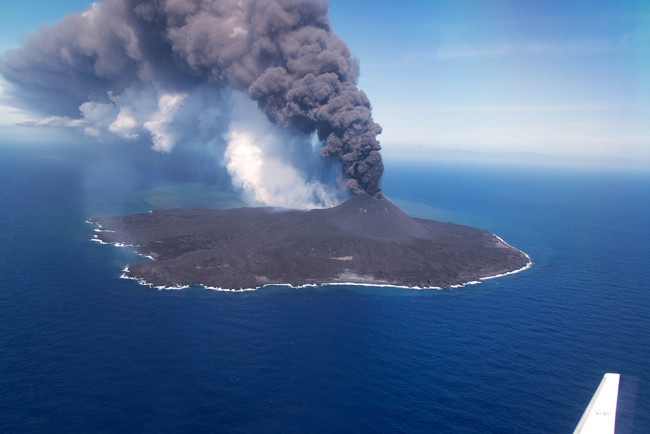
<point>345,217</point>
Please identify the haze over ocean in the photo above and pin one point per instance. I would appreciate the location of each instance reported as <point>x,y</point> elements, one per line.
<point>82,350</point>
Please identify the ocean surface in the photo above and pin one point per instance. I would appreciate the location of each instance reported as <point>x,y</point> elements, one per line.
<point>84,351</point>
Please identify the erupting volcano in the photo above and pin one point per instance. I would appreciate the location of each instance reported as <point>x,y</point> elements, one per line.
<point>169,73</point>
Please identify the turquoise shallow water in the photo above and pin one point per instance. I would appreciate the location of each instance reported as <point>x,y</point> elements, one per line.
<point>82,350</point>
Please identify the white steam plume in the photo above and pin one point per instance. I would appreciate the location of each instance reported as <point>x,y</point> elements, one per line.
<point>259,165</point>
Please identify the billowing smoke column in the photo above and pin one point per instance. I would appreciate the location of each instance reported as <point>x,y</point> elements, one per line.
<point>282,53</point>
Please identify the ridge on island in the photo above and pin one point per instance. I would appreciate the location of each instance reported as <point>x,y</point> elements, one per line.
<point>364,240</point>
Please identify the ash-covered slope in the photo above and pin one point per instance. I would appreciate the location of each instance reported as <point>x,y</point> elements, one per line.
<point>376,217</point>
<point>363,240</point>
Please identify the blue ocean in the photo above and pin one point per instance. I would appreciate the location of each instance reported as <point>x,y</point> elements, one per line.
<point>82,350</point>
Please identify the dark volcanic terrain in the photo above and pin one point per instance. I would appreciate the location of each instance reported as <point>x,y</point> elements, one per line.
<point>363,240</point>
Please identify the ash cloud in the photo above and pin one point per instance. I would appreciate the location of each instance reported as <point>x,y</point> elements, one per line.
<point>165,69</point>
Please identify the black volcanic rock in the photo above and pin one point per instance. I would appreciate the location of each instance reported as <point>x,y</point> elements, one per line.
<point>363,240</point>
<point>367,215</point>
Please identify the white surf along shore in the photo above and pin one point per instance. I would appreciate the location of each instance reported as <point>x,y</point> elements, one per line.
<point>143,282</point>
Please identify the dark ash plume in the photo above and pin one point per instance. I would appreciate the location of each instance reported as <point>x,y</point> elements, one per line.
<point>281,52</point>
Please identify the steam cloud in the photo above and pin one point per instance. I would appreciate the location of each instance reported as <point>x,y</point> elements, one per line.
<point>253,162</point>
<point>163,68</point>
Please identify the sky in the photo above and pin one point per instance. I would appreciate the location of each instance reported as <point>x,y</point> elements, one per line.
<point>552,79</point>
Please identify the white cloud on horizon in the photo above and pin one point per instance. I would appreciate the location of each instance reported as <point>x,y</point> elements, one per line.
<point>496,108</point>
<point>634,148</point>
<point>576,47</point>
<point>458,48</point>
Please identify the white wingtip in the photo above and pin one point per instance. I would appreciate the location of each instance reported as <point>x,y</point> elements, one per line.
<point>600,415</point>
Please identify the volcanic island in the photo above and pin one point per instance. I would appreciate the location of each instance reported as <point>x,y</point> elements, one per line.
<point>364,240</point>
